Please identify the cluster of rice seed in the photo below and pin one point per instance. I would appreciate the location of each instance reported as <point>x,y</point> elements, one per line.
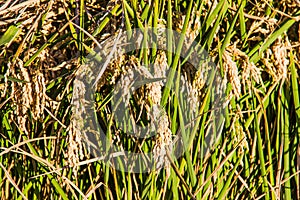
<point>231,73</point>
<point>124,70</point>
<point>77,127</point>
<point>75,148</point>
<point>193,82</point>
<point>263,27</point>
<point>275,59</point>
<point>151,99</point>
<point>189,89</point>
<point>153,90</point>
<point>193,79</point>
<point>163,139</point>
<point>193,29</point>
<point>29,96</point>
<point>153,95</point>
<point>125,85</point>
<point>115,69</point>
<point>249,71</point>
<point>238,134</point>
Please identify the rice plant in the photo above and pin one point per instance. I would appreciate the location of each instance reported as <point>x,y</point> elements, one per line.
<point>253,49</point>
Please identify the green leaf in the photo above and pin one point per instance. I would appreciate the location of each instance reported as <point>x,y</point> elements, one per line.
<point>13,79</point>
<point>11,33</point>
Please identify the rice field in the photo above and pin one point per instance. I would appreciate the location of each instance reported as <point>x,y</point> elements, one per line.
<point>162,99</point>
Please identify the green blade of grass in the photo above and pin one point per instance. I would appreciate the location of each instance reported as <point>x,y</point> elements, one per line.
<point>171,75</point>
<point>285,129</point>
<point>256,55</point>
<point>225,188</point>
<point>10,34</point>
<point>265,188</point>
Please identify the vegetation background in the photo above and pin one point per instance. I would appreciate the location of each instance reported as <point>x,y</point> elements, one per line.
<point>256,45</point>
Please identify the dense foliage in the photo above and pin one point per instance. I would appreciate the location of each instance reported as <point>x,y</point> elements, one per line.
<point>255,46</point>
